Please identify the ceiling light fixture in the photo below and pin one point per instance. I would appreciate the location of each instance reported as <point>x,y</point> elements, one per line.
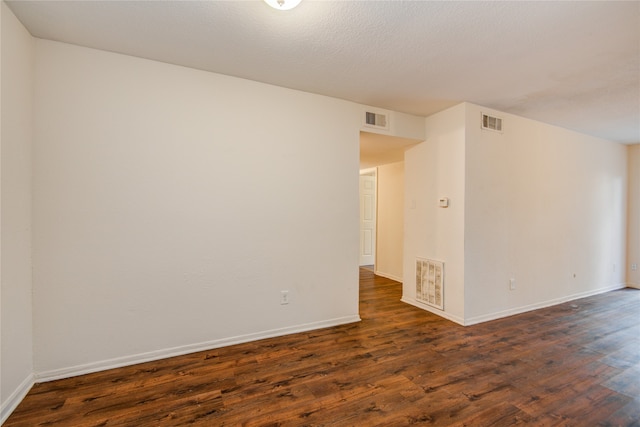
<point>283,4</point>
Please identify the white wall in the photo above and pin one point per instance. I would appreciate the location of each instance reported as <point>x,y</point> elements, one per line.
<point>545,206</point>
<point>434,169</point>
<point>400,125</point>
<point>390,221</point>
<point>171,207</point>
<point>536,203</point>
<point>16,358</point>
<point>633,231</point>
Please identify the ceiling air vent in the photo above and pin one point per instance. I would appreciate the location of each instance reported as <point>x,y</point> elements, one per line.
<point>376,120</point>
<point>491,123</point>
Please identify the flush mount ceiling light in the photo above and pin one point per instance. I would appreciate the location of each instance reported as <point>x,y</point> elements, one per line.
<point>283,4</point>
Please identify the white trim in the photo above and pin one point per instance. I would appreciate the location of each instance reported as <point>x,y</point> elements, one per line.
<point>455,319</point>
<point>16,397</point>
<point>387,276</point>
<point>370,171</point>
<point>186,349</point>
<point>514,311</point>
<point>537,306</point>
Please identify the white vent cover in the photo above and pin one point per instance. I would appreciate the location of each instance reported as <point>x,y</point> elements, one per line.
<point>376,120</point>
<point>430,282</point>
<point>491,123</point>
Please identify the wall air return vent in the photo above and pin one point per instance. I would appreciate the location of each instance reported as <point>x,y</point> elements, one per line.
<point>430,282</point>
<point>376,120</point>
<point>491,123</point>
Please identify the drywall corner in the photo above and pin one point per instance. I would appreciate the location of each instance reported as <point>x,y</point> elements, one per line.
<point>16,93</point>
<point>633,218</point>
<point>435,169</point>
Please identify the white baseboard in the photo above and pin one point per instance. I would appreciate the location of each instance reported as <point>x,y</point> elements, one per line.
<point>455,319</point>
<point>513,311</point>
<point>119,362</point>
<point>543,304</point>
<point>9,405</point>
<point>388,276</point>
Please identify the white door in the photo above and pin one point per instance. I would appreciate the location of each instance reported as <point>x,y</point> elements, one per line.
<point>367,217</point>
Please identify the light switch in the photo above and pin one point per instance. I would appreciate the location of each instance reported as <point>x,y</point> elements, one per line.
<point>444,202</point>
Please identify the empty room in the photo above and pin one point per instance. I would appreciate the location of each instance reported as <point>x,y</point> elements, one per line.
<point>307,213</point>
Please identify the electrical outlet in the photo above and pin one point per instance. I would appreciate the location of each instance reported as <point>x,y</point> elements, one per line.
<point>512,284</point>
<point>634,266</point>
<point>284,297</point>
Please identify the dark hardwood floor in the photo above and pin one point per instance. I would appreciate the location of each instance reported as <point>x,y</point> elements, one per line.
<point>575,364</point>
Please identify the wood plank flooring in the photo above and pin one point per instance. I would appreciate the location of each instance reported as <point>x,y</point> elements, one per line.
<point>575,364</point>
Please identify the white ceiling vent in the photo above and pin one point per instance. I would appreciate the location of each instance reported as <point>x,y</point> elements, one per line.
<point>491,123</point>
<point>376,120</point>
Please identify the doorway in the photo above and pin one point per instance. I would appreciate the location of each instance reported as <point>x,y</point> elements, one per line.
<point>382,212</point>
<point>368,208</point>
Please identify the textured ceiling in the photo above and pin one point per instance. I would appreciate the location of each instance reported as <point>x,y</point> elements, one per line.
<point>574,64</point>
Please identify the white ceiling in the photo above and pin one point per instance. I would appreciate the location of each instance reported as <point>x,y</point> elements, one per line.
<point>575,64</point>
